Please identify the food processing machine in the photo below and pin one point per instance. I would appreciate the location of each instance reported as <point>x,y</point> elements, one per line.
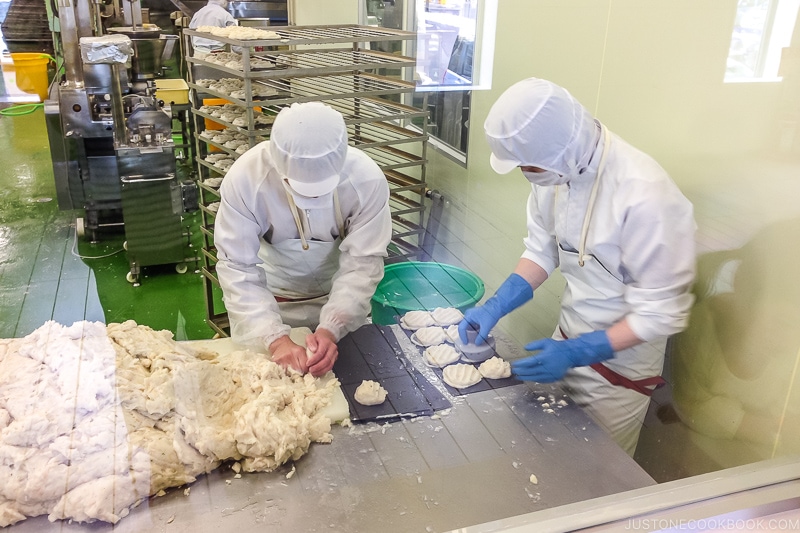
<point>111,138</point>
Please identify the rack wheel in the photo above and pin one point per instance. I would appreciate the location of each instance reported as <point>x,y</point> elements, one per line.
<point>80,229</point>
<point>181,268</point>
<point>131,278</point>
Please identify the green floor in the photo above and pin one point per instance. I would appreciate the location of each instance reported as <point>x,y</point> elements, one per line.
<point>41,276</point>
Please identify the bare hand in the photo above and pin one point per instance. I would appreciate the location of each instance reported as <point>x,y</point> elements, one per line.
<point>288,354</point>
<point>322,344</point>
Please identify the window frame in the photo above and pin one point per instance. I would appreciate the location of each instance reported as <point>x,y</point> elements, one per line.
<point>768,55</point>
<point>482,69</point>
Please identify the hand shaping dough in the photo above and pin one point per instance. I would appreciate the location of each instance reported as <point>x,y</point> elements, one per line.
<point>461,376</point>
<point>440,355</point>
<point>495,368</point>
<point>370,393</point>
<point>447,316</point>
<point>414,320</point>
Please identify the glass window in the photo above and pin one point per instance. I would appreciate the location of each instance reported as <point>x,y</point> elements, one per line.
<point>445,43</point>
<point>760,32</point>
<point>455,53</point>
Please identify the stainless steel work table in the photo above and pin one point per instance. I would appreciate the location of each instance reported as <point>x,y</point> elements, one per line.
<point>468,465</point>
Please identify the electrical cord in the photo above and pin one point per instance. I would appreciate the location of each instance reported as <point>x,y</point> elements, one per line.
<point>26,109</point>
<point>20,109</point>
<point>79,256</point>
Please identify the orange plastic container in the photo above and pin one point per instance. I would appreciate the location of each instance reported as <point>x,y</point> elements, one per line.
<point>210,124</point>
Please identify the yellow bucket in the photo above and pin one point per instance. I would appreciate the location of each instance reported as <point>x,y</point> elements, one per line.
<point>31,72</point>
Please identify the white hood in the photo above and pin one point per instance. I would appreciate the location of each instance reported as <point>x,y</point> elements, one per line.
<point>537,123</point>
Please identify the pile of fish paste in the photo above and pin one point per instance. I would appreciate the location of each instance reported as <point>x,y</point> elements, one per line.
<point>96,418</point>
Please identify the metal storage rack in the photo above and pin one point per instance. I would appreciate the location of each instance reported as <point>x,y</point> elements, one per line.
<point>332,64</point>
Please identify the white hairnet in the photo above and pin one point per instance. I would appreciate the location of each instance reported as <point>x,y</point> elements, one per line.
<point>537,123</point>
<point>222,3</point>
<point>308,145</point>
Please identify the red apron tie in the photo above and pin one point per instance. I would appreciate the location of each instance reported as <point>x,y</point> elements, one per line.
<point>638,385</point>
<point>615,378</point>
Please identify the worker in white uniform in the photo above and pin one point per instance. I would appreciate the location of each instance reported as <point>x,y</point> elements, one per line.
<point>623,236</point>
<point>214,13</point>
<point>301,234</point>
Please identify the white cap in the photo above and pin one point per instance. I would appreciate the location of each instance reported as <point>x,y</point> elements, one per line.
<point>503,166</point>
<point>308,145</point>
<point>537,123</point>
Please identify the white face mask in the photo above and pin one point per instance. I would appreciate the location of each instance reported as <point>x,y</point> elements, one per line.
<point>546,178</point>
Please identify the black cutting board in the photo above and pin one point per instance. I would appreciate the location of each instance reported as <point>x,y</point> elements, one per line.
<point>483,385</point>
<point>373,353</point>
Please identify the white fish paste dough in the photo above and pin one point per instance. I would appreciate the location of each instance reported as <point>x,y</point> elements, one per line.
<point>447,316</point>
<point>440,355</point>
<point>495,368</point>
<point>429,336</point>
<point>370,393</point>
<point>239,32</point>
<point>135,413</point>
<point>461,376</point>
<point>452,333</point>
<point>414,320</point>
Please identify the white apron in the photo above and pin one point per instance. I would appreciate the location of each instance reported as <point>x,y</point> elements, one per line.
<point>299,271</point>
<point>617,392</point>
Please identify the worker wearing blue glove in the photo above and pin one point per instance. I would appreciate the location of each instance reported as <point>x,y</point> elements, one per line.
<point>556,357</point>
<point>514,292</point>
<point>620,233</point>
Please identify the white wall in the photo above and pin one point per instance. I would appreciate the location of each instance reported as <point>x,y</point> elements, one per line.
<point>314,12</point>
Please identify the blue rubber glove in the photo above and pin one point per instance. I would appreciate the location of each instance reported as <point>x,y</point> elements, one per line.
<point>514,292</point>
<point>556,357</point>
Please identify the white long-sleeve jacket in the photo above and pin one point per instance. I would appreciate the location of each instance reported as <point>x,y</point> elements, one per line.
<point>254,206</point>
<point>210,15</point>
<point>642,231</point>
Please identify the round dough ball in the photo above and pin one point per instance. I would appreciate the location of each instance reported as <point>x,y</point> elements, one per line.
<point>495,368</point>
<point>370,393</point>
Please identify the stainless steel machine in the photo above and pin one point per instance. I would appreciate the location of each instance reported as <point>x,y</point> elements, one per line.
<point>111,138</point>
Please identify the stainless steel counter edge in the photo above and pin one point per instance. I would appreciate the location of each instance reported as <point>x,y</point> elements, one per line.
<point>770,486</point>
